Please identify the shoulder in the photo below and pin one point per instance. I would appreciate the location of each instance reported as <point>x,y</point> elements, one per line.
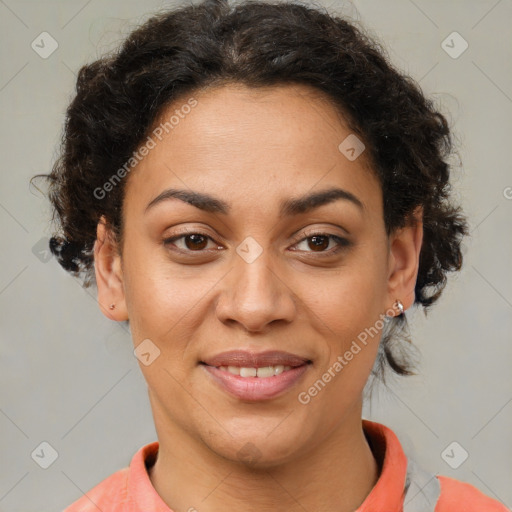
<point>110,494</point>
<point>458,496</point>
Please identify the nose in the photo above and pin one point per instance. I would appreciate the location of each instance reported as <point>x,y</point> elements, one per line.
<point>254,295</point>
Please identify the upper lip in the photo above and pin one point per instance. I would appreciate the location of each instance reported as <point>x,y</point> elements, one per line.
<point>246,359</point>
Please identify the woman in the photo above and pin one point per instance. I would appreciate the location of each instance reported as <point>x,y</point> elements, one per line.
<point>261,195</point>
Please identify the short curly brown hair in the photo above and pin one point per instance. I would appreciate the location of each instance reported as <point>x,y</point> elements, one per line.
<point>257,43</point>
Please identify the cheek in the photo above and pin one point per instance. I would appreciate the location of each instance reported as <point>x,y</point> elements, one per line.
<point>347,309</point>
<point>350,327</point>
<point>348,300</point>
<point>159,292</point>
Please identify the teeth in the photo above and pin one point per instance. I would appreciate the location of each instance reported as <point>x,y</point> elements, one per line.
<point>248,372</point>
<point>263,372</point>
<point>280,369</point>
<point>266,371</point>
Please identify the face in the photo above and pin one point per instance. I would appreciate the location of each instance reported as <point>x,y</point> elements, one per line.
<point>255,267</point>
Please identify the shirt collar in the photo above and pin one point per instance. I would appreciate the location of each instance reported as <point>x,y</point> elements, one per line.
<point>140,488</point>
<point>388,493</point>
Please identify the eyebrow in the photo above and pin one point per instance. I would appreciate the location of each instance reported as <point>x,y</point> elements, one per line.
<point>289,207</point>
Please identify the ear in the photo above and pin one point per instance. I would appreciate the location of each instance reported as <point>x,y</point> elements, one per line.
<point>405,248</point>
<point>109,276</point>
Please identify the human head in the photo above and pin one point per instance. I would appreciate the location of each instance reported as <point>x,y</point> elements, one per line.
<point>122,98</point>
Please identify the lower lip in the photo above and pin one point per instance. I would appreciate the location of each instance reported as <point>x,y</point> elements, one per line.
<point>256,388</point>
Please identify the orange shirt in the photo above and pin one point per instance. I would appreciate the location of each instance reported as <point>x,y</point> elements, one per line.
<point>402,486</point>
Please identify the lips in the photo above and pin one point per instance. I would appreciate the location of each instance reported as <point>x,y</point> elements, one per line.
<point>246,359</point>
<point>281,372</point>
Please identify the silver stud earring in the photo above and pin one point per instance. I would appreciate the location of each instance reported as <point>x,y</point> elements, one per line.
<point>112,306</point>
<point>398,305</point>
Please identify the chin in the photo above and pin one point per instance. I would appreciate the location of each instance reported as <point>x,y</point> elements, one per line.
<point>256,449</point>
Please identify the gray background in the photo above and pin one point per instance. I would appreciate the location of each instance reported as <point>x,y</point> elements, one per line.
<point>68,375</point>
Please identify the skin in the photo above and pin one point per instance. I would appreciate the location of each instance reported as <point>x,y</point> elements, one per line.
<point>254,148</point>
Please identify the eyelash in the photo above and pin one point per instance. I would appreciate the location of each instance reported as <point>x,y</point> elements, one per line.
<point>342,242</point>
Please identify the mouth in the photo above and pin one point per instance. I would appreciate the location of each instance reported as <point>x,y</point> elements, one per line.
<point>256,376</point>
<point>262,372</point>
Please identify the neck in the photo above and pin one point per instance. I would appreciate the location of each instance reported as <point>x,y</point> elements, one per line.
<point>335,476</point>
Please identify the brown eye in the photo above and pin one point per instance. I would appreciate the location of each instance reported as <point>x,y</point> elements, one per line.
<point>319,243</point>
<point>196,242</point>
<point>189,242</point>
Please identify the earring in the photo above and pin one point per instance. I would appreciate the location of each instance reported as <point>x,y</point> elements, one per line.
<point>398,305</point>
<point>112,306</point>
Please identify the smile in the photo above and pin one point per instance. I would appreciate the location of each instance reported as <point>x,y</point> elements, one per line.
<point>263,372</point>
<point>256,384</point>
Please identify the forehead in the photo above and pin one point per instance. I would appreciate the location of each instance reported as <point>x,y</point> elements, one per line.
<point>248,143</point>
